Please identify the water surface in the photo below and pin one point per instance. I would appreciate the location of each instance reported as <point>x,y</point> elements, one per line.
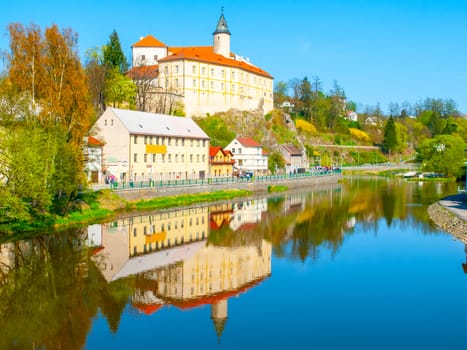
<point>356,265</point>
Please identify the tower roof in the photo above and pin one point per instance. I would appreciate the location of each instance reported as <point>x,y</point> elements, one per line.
<point>222,25</point>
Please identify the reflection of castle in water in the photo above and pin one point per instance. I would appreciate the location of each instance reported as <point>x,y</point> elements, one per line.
<point>173,264</point>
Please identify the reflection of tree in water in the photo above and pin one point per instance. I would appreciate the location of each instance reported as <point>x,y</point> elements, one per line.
<point>52,293</point>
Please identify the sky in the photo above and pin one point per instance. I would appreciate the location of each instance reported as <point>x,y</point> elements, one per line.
<point>379,51</point>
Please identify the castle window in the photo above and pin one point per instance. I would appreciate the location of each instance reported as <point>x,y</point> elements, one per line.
<point>203,85</point>
<point>145,158</point>
<point>166,71</point>
<point>194,69</point>
<point>176,69</point>
<point>203,70</point>
<point>194,82</point>
<point>135,157</point>
<point>212,72</point>
<point>212,85</point>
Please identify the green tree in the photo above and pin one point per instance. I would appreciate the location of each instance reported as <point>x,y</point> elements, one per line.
<point>280,93</point>
<point>275,162</point>
<point>390,137</point>
<point>305,98</point>
<point>119,89</point>
<point>443,154</point>
<point>113,54</point>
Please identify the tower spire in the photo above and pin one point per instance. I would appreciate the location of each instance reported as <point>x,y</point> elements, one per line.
<point>222,24</point>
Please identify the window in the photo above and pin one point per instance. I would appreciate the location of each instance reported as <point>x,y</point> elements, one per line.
<point>155,57</point>
<point>203,84</point>
<point>176,69</point>
<point>176,158</point>
<point>191,158</point>
<point>176,141</point>
<point>233,150</point>
<point>169,158</point>
<point>143,57</point>
<point>204,158</point>
<point>135,139</point>
<point>194,82</point>
<point>194,69</point>
<point>177,84</point>
<point>239,151</point>
<point>233,74</point>
<point>222,73</point>
<point>212,85</point>
<point>145,158</point>
<point>183,158</point>
<point>135,157</point>
<point>212,72</point>
<point>169,141</point>
<point>197,158</point>
<point>166,71</point>
<point>183,142</point>
<point>163,158</point>
<point>105,122</point>
<point>203,70</point>
<point>222,86</point>
<point>204,143</point>
<point>153,157</point>
<point>145,140</point>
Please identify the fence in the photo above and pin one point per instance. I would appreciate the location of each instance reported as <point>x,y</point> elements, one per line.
<point>216,180</point>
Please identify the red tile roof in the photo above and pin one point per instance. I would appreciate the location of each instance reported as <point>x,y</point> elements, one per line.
<point>149,41</point>
<point>92,141</point>
<point>143,72</point>
<point>148,309</point>
<point>215,298</point>
<point>213,150</point>
<point>206,54</point>
<point>248,142</point>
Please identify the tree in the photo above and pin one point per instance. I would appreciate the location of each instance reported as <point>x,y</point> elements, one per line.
<point>113,54</point>
<point>275,162</point>
<point>305,98</point>
<point>119,89</point>
<point>390,137</point>
<point>443,154</point>
<point>96,72</point>
<point>217,130</point>
<point>280,93</point>
<point>45,73</point>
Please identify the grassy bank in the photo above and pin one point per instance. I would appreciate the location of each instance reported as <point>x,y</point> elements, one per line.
<point>105,205</point>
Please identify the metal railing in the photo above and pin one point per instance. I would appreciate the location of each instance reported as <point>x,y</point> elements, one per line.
<point>129,185</point>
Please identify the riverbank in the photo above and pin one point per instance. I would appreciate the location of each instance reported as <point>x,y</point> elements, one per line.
<point>104,205</point>
<point>450,214</point>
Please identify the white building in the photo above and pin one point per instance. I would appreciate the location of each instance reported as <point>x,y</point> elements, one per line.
<point>204,79</point>
<point>295,160</point>
<point>249,155</point>
<point>93,159</point>
<point>142,146</point>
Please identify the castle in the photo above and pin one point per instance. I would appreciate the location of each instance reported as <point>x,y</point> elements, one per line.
<point>198,80</point>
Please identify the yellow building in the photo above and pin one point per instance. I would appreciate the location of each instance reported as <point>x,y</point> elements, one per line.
<point>221,162</point>
<point>203,79</point>
<point>140,146</point>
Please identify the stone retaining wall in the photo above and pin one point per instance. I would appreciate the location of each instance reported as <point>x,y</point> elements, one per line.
<point>446,220</point>
<point>254,186</point>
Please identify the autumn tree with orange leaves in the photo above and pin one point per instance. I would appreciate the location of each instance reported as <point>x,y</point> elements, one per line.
<point>45,116</point>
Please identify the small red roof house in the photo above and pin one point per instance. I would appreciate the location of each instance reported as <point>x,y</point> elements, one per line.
<point>221,162</point>
<point>249,155</point>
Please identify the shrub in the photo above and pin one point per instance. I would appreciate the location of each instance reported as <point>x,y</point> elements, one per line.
<point>359,135</point>
<point>305,126</point>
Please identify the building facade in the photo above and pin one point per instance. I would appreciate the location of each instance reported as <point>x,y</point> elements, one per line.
<point>295,159</point>
<point>204,79</point>
<point>249,155</point>
<point>142,146</point>
<point>221,162</point>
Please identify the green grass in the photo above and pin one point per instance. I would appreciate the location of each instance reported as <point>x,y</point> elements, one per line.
<point>277,188</point>
<point>187,199</point>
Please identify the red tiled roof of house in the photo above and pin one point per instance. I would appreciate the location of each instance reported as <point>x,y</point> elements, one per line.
<point>92,141</point>
<point>213,150</point>
<point>149,41</point>
<point>215,298</point>
<point>143,72</point>
<point>147,309</point>
<point>248,142</point>
<point>206,54</point>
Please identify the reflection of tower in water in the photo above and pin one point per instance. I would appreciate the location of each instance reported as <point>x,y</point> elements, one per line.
<point>173,265</point>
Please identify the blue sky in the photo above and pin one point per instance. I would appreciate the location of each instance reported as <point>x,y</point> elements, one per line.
<point>379,51</point>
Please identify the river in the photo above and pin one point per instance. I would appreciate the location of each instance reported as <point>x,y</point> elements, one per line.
<point>354,265</point>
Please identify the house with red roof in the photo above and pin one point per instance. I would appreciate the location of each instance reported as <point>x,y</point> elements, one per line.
<point>93,159</point>
<point>221,162</point>
<point>249,156</point>
<point>202,79</point>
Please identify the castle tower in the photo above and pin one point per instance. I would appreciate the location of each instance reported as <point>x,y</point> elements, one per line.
<point>221,37</point>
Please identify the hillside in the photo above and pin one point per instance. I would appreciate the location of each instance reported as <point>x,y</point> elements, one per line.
<point>279,128</point>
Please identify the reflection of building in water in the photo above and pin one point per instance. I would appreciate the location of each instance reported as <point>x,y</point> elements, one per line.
<point>294,202</point>
<point>12,253</point>
<point>170,260</point>
<point>125,243</point>
<point>7,258</point>
<point>220,215</point>
<point>210,276</point>
<point>248,212</point>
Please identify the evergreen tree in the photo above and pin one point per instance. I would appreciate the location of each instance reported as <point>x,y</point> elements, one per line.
<point>113,54</point>
<point>390,137</point>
